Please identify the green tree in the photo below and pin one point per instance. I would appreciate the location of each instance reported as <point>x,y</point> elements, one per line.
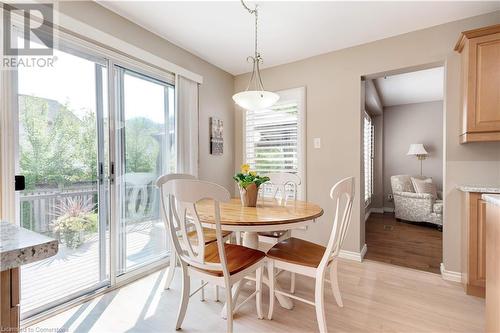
<point>56,146</point>
<point>59,148</point>
<point>142,149</point>
<point>88,145</point>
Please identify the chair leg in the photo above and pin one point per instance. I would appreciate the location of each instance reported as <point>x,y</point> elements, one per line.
<point>216,293</point>
<point>184,297</point>
<point>229,309</point>
<point>320,303</point>
<point>238,237</point>
<point>202,291</point>
<point>292,283</point>
<point>171,270</point>
<point>270,272</point>
<point>258,288</point>
<point>334,280</point>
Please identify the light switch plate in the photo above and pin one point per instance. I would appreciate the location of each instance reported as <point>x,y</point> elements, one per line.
<point>317,143</point>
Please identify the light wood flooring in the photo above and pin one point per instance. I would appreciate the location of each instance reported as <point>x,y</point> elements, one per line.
<point>403,244</point>
<point>377,298</point>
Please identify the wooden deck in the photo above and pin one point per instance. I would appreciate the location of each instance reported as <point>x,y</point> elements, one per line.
<point>74,270</point>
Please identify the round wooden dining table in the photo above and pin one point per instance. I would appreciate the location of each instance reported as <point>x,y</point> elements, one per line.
<point>269,215</point>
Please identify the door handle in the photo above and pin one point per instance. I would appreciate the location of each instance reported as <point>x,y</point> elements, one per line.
<point>101,172</point>
<point>19,182</point>
<point>112,173</point>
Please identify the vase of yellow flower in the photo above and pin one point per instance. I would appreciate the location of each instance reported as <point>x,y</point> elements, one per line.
<point>249,182</point>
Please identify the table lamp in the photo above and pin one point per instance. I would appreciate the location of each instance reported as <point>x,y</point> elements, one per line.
<point>418,149</point>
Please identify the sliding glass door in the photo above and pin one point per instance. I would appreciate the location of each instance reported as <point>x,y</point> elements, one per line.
<point>145,150</point>
<point>92,138</point>
<point>61,114</point>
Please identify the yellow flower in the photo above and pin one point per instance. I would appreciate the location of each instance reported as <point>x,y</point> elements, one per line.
<point>253,173</point>
<point>245,168</point>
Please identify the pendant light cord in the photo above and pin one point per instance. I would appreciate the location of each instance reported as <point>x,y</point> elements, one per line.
<point>256,59</point>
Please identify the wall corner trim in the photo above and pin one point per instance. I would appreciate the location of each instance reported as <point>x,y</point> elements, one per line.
<point>352,255</point>
<point>450,275</point>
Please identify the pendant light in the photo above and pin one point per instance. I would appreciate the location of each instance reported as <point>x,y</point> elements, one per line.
<point>255,97</point>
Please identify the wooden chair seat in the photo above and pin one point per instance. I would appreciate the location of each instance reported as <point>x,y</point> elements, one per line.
<point>238,257</point>
<point>208,234</point>
<point>297,251</point>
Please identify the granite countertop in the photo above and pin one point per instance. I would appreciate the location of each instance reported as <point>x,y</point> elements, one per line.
<point>493,199</point>
<point>480,188</point>
<point>19,246</point>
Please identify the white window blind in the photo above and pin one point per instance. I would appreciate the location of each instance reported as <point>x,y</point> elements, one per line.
<point>369,152</point>
<point>274,137</point>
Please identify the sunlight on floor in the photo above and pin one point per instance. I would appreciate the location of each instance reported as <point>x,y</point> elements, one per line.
<point>377,297</point>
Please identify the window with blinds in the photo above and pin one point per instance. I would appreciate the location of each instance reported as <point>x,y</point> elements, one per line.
<point>369,152</point>
<point>273,137</point>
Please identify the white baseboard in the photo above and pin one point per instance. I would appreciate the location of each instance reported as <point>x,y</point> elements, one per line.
<point>351,255</point>
<point>388,210</point>
<point>367,214</point>
<point>450,275</point>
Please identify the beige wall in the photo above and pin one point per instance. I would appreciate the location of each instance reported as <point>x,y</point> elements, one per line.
<point>407,124</point>
<point>215,92</point>
<point>333,114</point>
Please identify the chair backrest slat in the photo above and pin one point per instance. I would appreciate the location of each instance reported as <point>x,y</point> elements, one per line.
<point>179,197</point>
<point>342,195</point>
<point>162,180</point>
<point>279,181</point>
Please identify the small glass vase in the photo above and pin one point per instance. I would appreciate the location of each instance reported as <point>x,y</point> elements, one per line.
<point>249,195</point>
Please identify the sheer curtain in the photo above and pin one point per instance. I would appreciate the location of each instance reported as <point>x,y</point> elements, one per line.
<point>187,128</point>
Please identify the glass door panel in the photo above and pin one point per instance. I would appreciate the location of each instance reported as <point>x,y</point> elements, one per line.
<point>61,117</point>
<point>146,141</point>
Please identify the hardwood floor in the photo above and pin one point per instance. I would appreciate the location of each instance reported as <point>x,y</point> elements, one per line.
<point>377,298</point>
<point>403,244</point>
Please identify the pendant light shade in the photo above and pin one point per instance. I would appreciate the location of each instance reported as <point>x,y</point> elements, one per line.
<point>255,100</point>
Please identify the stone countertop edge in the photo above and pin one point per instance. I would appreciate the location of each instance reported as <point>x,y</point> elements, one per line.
<point>493,199</point>
<point>20,246</point>
<point>480,188</point>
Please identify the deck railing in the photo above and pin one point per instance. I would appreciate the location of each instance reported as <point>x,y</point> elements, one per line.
<point>39,207</point>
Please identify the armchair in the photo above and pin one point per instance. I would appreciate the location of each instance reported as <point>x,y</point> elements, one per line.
<point>415,207</point>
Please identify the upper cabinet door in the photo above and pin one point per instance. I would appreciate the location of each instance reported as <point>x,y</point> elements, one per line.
<point>480,50</point>
<point>484,80</point>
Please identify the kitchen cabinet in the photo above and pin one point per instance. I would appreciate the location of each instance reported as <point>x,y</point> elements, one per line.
<point>9,300</point>
<point>480,53</point>
<point>18,246</point>
<point>492,263</point>
<point>474,251</point>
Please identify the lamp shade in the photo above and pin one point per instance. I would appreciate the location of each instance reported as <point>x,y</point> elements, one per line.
<point>417,149</point>
<point>255,99</point>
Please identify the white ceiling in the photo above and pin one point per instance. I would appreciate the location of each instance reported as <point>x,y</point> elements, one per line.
<point>222,32</point>
<point>415,87</point>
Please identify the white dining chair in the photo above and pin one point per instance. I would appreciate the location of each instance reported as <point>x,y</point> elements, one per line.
<point>283,186</point>
<point>209,233</point>
<point>220,263</point>
<point>313,260</point>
